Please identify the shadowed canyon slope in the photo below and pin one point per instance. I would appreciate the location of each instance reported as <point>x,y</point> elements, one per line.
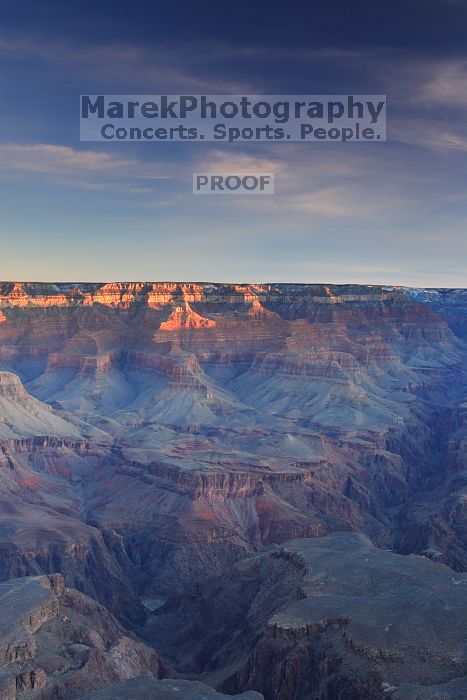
<point>153,435</point>
<point>328,617</point>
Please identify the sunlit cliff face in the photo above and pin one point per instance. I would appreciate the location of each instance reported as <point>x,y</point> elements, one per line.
<point>125,294</point>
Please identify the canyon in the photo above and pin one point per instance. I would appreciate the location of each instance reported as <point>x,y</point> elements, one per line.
<point>237,488</point>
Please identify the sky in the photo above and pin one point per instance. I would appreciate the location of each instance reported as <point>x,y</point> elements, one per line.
<point>378,213</point>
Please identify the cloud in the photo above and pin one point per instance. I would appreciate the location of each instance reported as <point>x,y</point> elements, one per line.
<point>341,183</point>
<point>431,135</point>
<point>50,158</point>
<point>337,203</point>
<point>445,83</point>
<point>83,168</point>
<point>428,82</point>
<point>346,202</point>
<point>227,162</point>
<point>168,68</point>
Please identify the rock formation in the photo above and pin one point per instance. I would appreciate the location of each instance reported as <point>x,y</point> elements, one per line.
<point>154,434</point>
<point>330,617</point>
<point>57,643</point>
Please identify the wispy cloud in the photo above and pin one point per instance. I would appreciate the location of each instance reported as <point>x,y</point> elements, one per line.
<point>83,168</point>
<point>167,68</point>
<point>342,184</point>
<point>429,134</point>
<point>339,203</point>
<point>428,82</point>
<point>227,162</point>
<point>446,84</point>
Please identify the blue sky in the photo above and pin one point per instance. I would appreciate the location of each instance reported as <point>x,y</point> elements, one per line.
<point>390,213</point>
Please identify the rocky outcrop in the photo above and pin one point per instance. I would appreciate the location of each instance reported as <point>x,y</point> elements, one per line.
<point>60,643</point>
<point>21,415</point>
<point>331,617</point>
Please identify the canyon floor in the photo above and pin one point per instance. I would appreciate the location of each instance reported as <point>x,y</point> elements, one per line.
<point>210,490</point>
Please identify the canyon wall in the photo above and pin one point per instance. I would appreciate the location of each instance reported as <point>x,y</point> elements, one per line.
<point>154,434</point>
